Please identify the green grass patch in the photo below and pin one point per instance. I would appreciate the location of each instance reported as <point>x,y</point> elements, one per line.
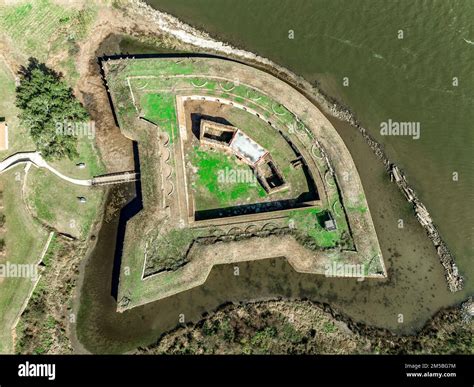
<point>87,154</point>
<point>19,138</point>
<point>56,203</point>
<point>153,67</point>
<point>360,209</point>
<point>161,109</point>
<point>41,28</point>
<point>213,186</point>
<point>308,224</point>
<point>24,243</point>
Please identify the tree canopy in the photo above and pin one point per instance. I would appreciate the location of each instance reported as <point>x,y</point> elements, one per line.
<point>47,102</point>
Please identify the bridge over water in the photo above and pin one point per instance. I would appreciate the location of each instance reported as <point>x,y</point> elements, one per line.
<point>115,178</point>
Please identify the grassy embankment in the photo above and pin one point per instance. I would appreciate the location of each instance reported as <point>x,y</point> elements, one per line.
<point>47,322</point>
<point>25,240</point>
<point>43,328</point>
<point>44,30</point>
<point>50,33</point>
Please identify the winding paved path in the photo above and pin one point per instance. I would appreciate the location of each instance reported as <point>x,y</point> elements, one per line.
<point>38,160</point>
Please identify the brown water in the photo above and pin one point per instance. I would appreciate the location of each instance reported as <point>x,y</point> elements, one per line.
<point>415,288</point>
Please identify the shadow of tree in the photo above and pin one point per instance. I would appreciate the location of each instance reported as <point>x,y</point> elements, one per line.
<point>25,72</point>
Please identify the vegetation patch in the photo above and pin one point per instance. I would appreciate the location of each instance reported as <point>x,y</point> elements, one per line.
<point>161,110</point>
<point>168,252</point>
<point>309,226</point>
<point>56,203</point>
<point>19,138</point>
<point>42,28</point>
<point>45,102</point>
<point>43,327</point>
<point>301,327</point>
<point>24,241</point>
<point>214,186</point>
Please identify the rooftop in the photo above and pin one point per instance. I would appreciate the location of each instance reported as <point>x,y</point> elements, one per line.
<point>247,148</point>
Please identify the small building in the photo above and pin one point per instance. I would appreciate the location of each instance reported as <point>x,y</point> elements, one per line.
<point>3,136</point>
<point>330,223</point>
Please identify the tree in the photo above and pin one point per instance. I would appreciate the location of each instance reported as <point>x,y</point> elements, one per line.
<point>46,103</point>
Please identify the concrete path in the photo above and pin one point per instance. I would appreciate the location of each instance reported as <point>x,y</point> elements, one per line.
<point>38,160</point>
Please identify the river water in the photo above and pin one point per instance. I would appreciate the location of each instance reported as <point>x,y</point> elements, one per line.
<point>407,79</point>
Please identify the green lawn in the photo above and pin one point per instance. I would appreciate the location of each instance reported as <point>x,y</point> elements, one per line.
<point>88,154</point>
<point>307,222</point>
<point>154,67</point>
<point>19,138</point>
<point>55,202</point>
<point>161,110</point>
<point>214,184</point>
<point>41,28</point>
<point>25,240</point>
